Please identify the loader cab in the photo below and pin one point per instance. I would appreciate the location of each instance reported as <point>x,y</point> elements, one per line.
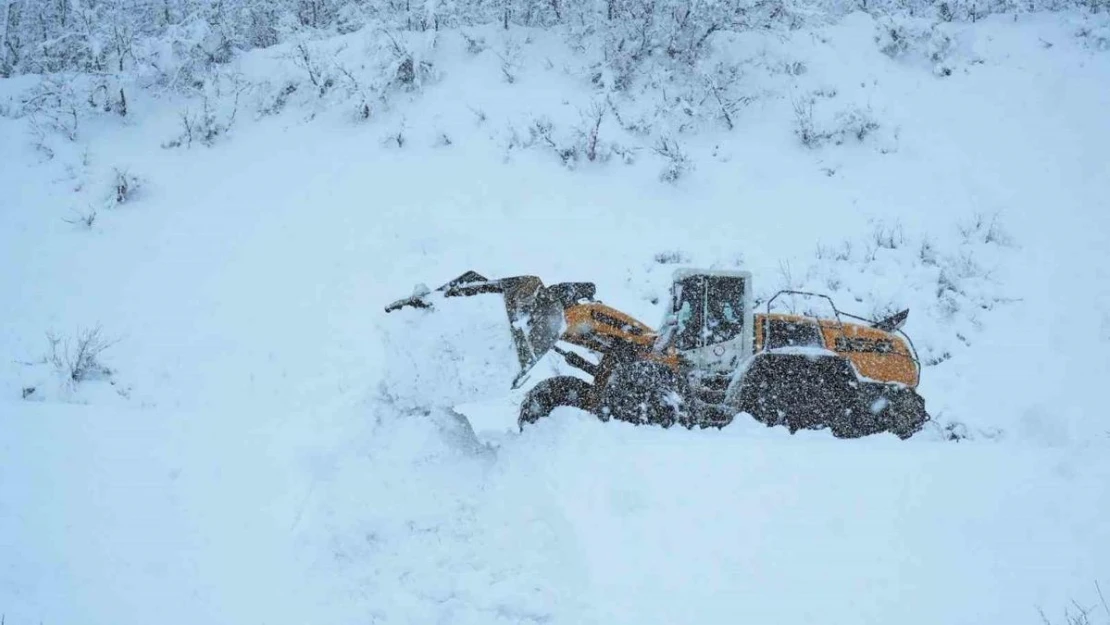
<point>710,321</point>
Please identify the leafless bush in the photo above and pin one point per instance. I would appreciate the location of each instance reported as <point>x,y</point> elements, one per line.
<point>627,155</point>
<point>541,134</point>
<point>906,40</point>
<point>965,266</point>
<point>804,127</point>
<point>41,142</point>
<point>108,96</point>
<point>277,102</point>
<point>590,132</point>
<point>204,127</point>
<point>409,73</point>
<point>671,257</point>
<point>304,57</point>
<point>475,45</point>
<point>927,253</point>
<point>583,142</point>
<point>889,237</point>
<point>855,122</point>
<point>678,163</point>
<point>841,252</point>
<point>1077,614</point>
<point>951,430</point>
<point>931,360</point>
<point>718,93</point>
<point>479,115</point>
<point>124,185</point>
<point>510,60</point>
<point>850,123</point>
<point>362,95</point>
<point>1095,36</point>
<point>396,138</point>
<point>77,358</point>
<point>946,284</point>
<point>984,229</point>
<point>52,107</point>
<point>893,39</point>
<point>83,219</point>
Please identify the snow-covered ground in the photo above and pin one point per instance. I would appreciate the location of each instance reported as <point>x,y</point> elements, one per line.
<point>270,447</point>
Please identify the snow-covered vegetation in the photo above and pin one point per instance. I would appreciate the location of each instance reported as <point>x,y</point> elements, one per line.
<point>206,416</point>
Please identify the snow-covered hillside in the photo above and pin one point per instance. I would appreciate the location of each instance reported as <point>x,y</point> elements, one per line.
<point>258,442</point>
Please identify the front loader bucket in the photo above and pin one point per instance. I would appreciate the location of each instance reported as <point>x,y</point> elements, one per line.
<point>535,312</point>
<point>535,318</point>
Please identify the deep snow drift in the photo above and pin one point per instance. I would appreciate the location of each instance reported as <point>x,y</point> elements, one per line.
<point>266,445</point>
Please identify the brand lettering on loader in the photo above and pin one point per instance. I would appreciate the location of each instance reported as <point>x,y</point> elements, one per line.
<point>616,323</point>
<point>861,344</point>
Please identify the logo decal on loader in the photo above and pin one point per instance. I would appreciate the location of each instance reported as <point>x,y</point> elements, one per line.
<point>860,344</point>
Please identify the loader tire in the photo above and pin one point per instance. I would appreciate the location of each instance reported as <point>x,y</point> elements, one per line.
<point>552,393</point>
<point>806,393</point>
<point>906,412</point>
<point>646,393</point>
<point>897,409</point>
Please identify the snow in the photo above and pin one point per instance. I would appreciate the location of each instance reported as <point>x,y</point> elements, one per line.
<point>272,447</point>
<point>803,350</point>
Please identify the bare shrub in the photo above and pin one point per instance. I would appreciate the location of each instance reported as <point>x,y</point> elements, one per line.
<point>278,100</point>
<point>77,358</point>
<point>84,219</point>
<point>678,162</point>
<point>510,60</point>
<point>908,41</point>
<point>396,138</point>
<point>204,127</point>
<point>671,257</point>
<point>927,253</point>
<point>541,133</point>
<point>363,96</point>
<point>124,185</point>
<point>952,430</point>
<point>590,133</point>
<point>804,127</point>
<point>851,122</point>
<point>304,57</point>
<point>841,252</point>
<point>934,360</point>
<point>583,142</point>
<point>1095,36</point>
<point>854,122</point>
<point>52,106</point>
<point>984,229</point>
<point>409,73</point>
<point>889,237</point>
<point>894,40</point>
<point>108,96</point>
<point>718,92</point>
<point>1078,614</point>
<point>475,45</point>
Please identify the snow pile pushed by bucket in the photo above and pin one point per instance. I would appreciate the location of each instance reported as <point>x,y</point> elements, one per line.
<point>457,352</point>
